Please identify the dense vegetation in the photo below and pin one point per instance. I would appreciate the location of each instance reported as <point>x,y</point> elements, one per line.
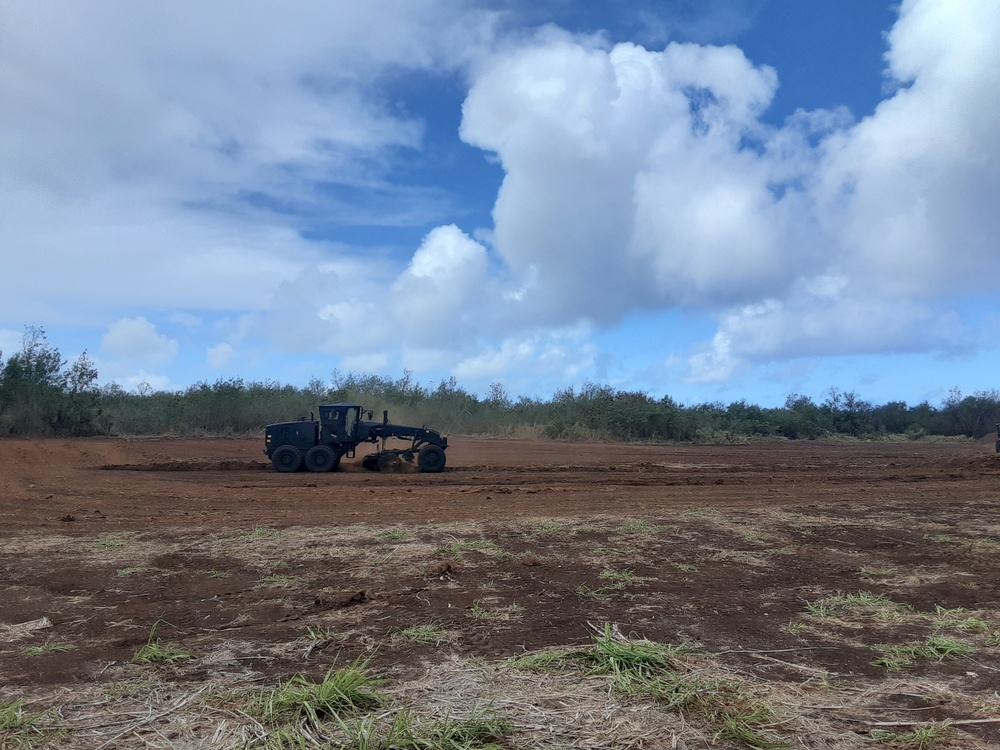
<point>41,395</point>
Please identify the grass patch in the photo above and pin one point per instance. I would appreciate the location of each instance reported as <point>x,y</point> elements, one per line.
<point>113,542</point>
<point>317,635</point>
<point>483,732</point>
<point>14,719</point>
<point>642,668</point>
<point>131,571</point>
<point>47,648</point>
<point>344,691</point>
<point>20,728</point>
<point>129,689</point>
<point>155,652</point>
<point>935,647</point>
<point>623,577</point>
<point>961,619</point>
<point>401,730</point>
<point>637,526</point>
<point>920,738</point>
<point>427,634</point>
<point>258,533</point>
<point>395,535</point>
<point>795,628</point>
<point>274,579</point>
<point>459,548</point>
<point>604,592</point>
<point>214,573</point>
<point>941,538</point>
<point>548,528</point>
<point>859,604</point>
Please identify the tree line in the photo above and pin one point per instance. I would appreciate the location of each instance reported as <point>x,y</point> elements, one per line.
<point>41,394</point>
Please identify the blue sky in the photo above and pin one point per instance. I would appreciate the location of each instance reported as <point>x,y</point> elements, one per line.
<point>716,200</point>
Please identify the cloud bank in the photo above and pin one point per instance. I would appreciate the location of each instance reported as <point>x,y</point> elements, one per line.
<point>645,179</point>
<point>170,159</point>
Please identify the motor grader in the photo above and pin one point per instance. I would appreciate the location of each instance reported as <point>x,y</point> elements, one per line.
<point>319,444</point>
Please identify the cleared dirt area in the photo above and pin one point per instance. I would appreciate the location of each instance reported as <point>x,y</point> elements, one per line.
<point>851,588</point>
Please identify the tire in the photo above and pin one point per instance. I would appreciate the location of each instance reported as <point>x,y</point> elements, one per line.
<point>998,446</point>
<point>320,458</point>
<point>431,459</point>
<point>286,459</point>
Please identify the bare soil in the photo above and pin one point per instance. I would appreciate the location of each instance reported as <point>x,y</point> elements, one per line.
<point>108,544</point>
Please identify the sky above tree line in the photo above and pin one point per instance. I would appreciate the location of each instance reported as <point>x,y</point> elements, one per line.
<point>716,200</point>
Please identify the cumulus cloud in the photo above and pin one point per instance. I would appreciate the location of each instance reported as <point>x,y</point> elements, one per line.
<point>626,182</point>
<point>444,289</point>
<point>910,192</point>
<point>638,179</point>
<point>136,341</point>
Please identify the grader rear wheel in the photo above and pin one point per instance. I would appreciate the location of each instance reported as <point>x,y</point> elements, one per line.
<point>321,458</point>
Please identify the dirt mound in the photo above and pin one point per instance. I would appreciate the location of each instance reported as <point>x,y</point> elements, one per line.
<point>985,464</point>
<point>192,465</point>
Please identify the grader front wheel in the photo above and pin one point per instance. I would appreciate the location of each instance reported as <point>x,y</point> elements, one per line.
<point>431,459</point>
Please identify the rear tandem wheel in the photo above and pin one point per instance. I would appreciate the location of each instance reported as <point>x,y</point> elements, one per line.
<point>322,458</point>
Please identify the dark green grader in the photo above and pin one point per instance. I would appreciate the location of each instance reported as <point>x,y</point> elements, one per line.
<point>318,445</point>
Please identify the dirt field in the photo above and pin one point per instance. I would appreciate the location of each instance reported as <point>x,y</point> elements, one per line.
<point>851,588</point>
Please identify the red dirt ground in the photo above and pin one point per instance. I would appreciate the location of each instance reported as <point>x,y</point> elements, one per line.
<point>514,547</point>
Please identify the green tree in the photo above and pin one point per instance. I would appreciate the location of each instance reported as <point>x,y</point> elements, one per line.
<point>39,397</point>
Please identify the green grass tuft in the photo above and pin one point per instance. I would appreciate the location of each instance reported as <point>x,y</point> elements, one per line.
<point>155,652</point>
<point>47,648</point>
<point>935,647</point>
<point>428,634</point>
<point>920,738</point>
<point>342,691</point>
<point>859,604</point>
<point>644,668</point>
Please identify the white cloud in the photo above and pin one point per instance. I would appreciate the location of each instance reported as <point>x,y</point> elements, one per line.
<point>221,355</point>
<point>910,192</point>
<point>627,184</point>
<point>823,324</point>
<point>445,291</point>
<point>637,179</point>
<point>136,341</point>
<point>164,158</point>
<point>530,359</point>
<point>151,154</point>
